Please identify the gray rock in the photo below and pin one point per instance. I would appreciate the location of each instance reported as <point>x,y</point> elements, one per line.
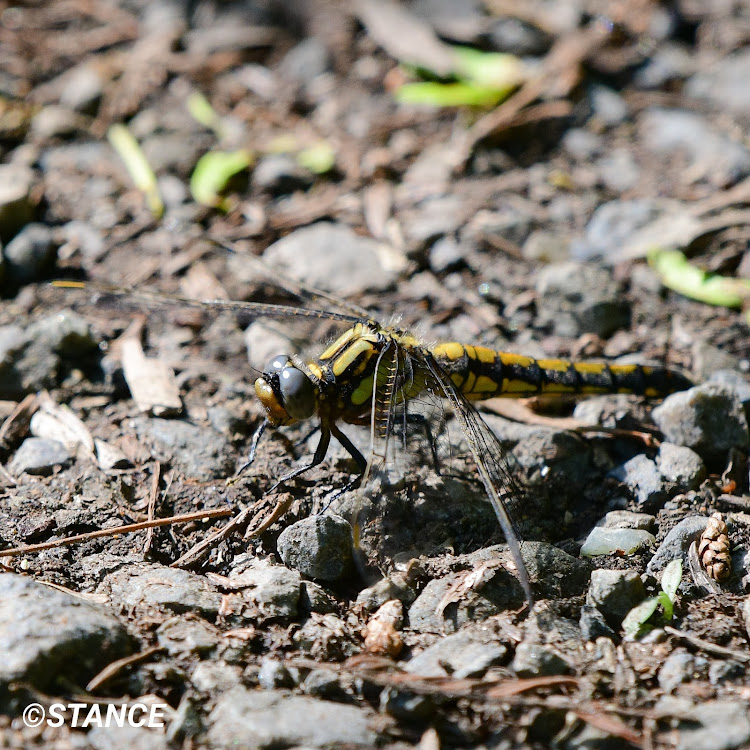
<point>318,546</point>
<point>434,217</point>
<point>501,592</point>
<point>709,418</point>
<point>53,121</point>
<point>212,676</point>
<point>84,237</point>
<point>644,482</point>
<point>517,37</point>
<point>36,358</point>
<point>147,586</point>
<point>306,61</point>
<point>681,466</point>
<point>331,257</point>
<point>445,254</point>
<point>601,541</point>
<point>280,174</point>
<point>547,247</point>
<point>268,591</point>
<point>607,105</point>
<point>39,456</point>
<point>323,683</point>
<point>713,155</point>
<point>274,674</point>
<point>463,654</point>
<point>406,706</point>
<point>257,720</point>
<point>627,519</point>
<point>460,22</point>
<point>65,333</point>
<point>582,144</point>
<point>184,636</point>
<point>677,542</point>
<point>593,625</point>
<point>30,254</point>
<point>394,586</point>
<point>314,598</point>
<point>199,453</point>
<point>614,593</point>
<point>668,62</point>
<point>46,634</point>
<point>723,671</point>
<point>16,205</point>
<point>554,573</point>
<point>737,382</point>
<point>576,299</point>
<point>534,660</point>
<point>83,89</point>
<point>724,83</point>
<point>126,738</point>
<point>677,668</point>
<point>723,725</point>
<point>618,170</point>
<point>327,638</point>
<point>613,226</point>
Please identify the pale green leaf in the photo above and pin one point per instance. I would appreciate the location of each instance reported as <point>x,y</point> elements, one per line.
<point>666,604</point>
<point>435,94</point>
<point>639,616</point>
<point>213,172</point>
<point>492,70</point>
<point>671,577</point>
<point>676,272</point>
<point>140,171</point>
<point>318,158</point>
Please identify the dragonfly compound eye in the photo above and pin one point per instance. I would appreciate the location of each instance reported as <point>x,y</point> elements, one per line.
<point>297,392</point>
<point>276,364</point>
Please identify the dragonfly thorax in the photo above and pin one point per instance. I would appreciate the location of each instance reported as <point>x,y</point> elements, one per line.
<point>285,391</point>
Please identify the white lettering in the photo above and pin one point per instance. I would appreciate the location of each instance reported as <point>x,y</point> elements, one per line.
<point>113,718</point>
<point>56,715</point>
<point>144,715</point>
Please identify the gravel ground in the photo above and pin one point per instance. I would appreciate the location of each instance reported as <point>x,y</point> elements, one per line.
<point>523,226</point>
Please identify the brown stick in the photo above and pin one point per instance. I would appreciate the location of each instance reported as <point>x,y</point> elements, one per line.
<point>126,529</point>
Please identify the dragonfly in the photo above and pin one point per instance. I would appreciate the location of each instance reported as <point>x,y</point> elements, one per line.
<point>373,372</point>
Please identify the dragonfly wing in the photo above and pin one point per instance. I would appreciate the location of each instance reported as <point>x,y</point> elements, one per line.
<point>492,464</point>
<point>154,299</point>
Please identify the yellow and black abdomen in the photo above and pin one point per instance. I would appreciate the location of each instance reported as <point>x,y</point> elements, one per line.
<point>481,373</point>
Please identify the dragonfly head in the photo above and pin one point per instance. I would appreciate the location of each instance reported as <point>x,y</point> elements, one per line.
<point>286,392</point>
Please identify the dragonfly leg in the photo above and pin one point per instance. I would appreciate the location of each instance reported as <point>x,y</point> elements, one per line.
<point>253,448</point>
<point>320,454</point>
<point>306,437</point>
<point>423,422</point>
<point>354,452</point>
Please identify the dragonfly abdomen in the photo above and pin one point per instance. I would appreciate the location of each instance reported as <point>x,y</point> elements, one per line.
<point>481,373</point>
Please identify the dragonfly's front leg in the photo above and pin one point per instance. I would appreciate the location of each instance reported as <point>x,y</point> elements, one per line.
<point>253,448</point>
<point>320,454</point>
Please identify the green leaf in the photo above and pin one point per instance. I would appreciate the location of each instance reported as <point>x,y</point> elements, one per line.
<point>491,70</point>
<point>676,272</point>
<point>436,94</point>
<point>318,158</point>
<point>636,619</point>
<point>670,579</point>
<point>140,171</point>
<point>201,111</point>
<point>213,172</point>
<point>666,604</point>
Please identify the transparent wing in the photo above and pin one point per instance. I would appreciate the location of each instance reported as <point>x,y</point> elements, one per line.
<point>492,464</point>
<point>297,288</point>
<point>155,299</point>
